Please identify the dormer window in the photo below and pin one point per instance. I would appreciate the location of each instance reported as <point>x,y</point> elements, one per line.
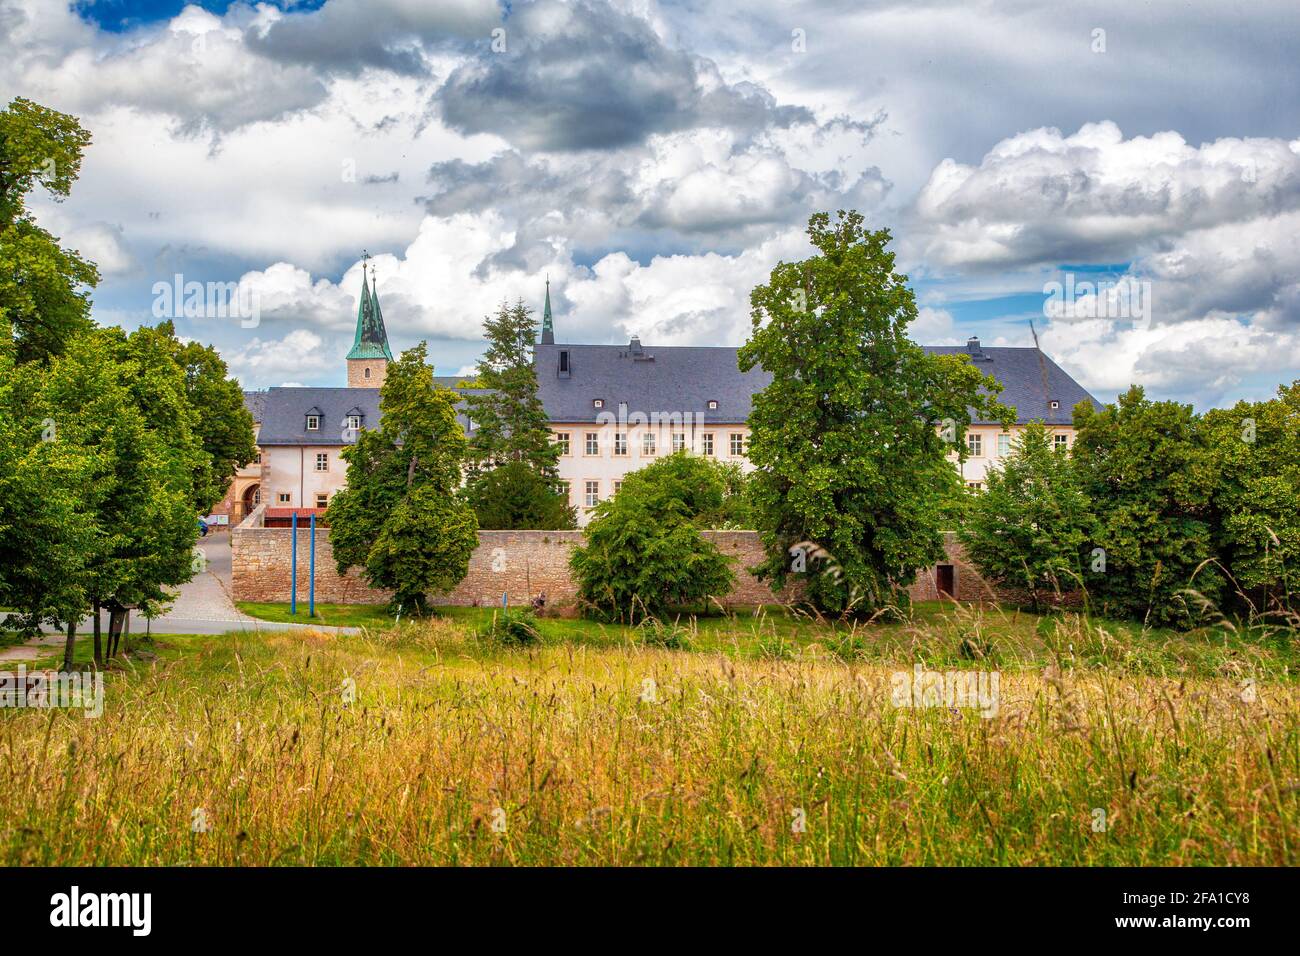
<point>354,422</point>
<point>313,423</point>
<point>597,403</point>
<point>713,404</point>
<point>564,362</point>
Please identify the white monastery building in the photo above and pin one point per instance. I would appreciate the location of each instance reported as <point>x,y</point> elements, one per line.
<point>613,409</point>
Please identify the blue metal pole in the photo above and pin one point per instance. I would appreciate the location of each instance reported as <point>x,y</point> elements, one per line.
<point>293,566</point>
<point>311,575</point>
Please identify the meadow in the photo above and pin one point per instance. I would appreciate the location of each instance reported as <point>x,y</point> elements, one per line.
<point>756,739</point>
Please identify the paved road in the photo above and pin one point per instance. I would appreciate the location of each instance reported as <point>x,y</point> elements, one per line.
<point>203,606</point>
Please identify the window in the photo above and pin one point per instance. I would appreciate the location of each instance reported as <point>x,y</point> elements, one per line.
<point>1053,404</point>
<point>563,488</point>
<point>975,444</point>
<point>593,494</point>
<point>975,485</point>
<point>564,362</point>
<point>354,422</point>
<point>620,443</point>
<point>1004,445</point>
<point>648,443</point>
<point>597,403</point>
<point>313,423</point>
<point>562,439</point>
<point>322,499</point>
<point>713,404</point>
<point>284,497</point>
<point>367,371</point>
<point>1061,442</point>
<point>737,444</point>
<point>593,443</point>
<point>679,441</point>
<point>258,459</point>
<point>617,486</point>
<point>322,461</point>
<point>706,444</point>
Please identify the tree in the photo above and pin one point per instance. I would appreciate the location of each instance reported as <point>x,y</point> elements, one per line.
<point>399,519</point>
<point>510,423</point>
<point>1145,467</point>
<point>851,438</point>
<point>513,496</point>
<point>1256,451</point>
<point>223,425</point>
<point>44,297</point>
<point>119,511</point>
<point>1029,527</point>
<point>644,555</point>
<point>46,526</point>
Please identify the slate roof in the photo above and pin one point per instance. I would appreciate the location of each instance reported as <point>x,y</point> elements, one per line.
<point>684,379</point>
<point>1022,372</point>
<point>667,379</point>
<point>255,402</point>
<point>664,379</point>
<point>286,410</point>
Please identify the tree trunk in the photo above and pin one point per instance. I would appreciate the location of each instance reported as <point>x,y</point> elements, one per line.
<point>99,644</point>
<point>70,645</point>
<point>114,630</point>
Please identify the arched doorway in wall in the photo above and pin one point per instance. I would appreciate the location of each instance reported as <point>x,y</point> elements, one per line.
<point>251,498</point>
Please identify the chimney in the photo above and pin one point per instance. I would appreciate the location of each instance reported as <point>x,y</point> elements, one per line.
<point>973,346</point>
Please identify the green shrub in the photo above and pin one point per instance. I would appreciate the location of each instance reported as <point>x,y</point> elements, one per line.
<point>653,632</point>
<point>511,629</point>
<point>644,555</point>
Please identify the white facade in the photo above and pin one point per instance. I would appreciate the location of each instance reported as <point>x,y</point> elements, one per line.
<point>987,445</point>
<point>297,476</point>
<point>599,456</point>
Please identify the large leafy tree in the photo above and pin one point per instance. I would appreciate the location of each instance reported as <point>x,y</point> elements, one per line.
<point>510,423</point>
<point>44,298</point>
<point>1255,448</point>
<point>644,554</point>
<point>47,522</point>
<point>851,439</point>
<point>1028,529</point>
<point>118,528</point>
<point>400,519</point>
<point>1144,465</point>
<point>513,462</point>
<point>222,424</point>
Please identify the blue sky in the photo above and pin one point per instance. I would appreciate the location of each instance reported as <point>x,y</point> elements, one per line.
<point>656,159</point>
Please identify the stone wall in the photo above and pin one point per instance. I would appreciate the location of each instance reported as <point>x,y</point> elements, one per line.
<point>521,564</point>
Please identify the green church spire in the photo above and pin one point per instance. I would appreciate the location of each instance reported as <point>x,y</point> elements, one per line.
<point>548,326</point>
<point>371,341</point>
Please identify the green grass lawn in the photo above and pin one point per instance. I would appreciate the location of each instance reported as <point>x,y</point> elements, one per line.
<point>936,633</point>
<point>407,745</point>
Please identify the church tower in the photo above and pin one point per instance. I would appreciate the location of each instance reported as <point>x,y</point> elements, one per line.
<point>548,325</point>
<point>369,358</point>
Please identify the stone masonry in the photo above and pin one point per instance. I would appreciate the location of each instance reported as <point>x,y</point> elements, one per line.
<point>520,564</point>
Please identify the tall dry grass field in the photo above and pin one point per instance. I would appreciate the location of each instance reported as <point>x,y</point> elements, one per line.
<point>236,750</point>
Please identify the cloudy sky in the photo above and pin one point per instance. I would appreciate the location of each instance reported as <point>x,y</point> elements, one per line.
<point>657,158</point>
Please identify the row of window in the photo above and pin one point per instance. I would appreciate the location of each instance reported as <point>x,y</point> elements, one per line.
<point>352,422</point>
<point>975,444</point>
<point>286,498</point>
<point>649,443</point>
